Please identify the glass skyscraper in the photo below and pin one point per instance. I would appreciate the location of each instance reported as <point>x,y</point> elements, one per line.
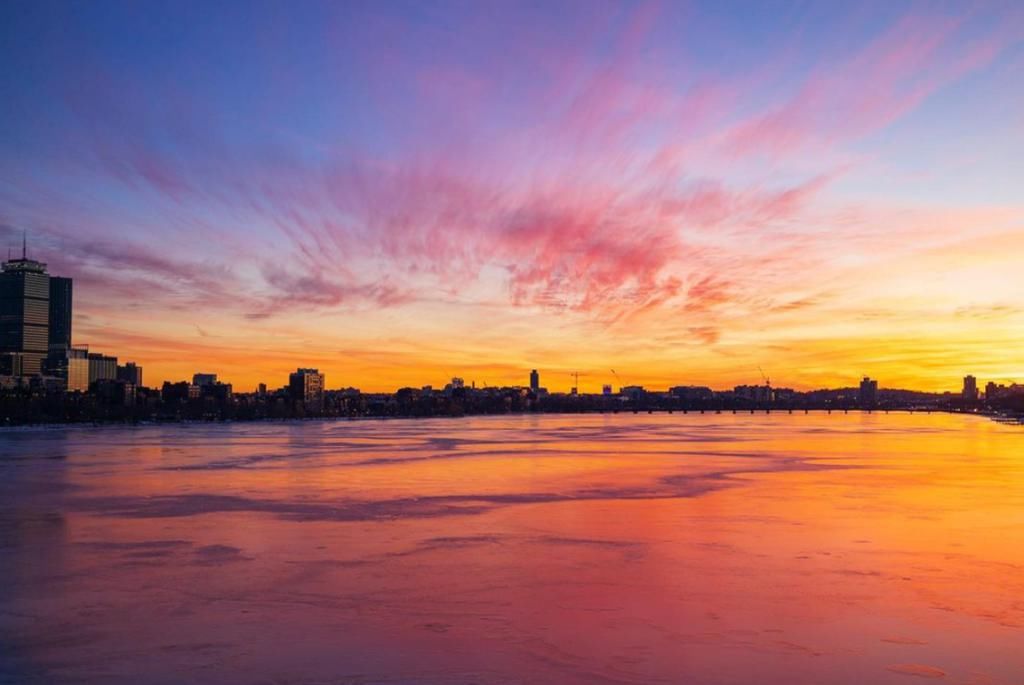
<point>60,314</point>
<point>25,312</point>
<point>35,317</point>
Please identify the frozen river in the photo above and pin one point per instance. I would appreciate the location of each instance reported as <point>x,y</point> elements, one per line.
<point>781,549</point>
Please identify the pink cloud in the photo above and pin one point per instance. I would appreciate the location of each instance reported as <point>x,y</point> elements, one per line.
<point>592,201</point>
<point>839,102</point>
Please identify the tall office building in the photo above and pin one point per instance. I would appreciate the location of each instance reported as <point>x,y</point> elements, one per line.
<point>60,315</point>
<point>867,396</point>
<point>307,386</point>
<point>970,392</point>
<point>130,373</point>
<point>102,368</point>
<point>534,380</point>
<point>25,313</point>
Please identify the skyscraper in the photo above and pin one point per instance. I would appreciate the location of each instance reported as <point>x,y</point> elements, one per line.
<point>60,315</point>
<point>867,396</point>
<point>970,391</point>
<point>25,312</point>
<point>534,380</point>
<point>307,386</point>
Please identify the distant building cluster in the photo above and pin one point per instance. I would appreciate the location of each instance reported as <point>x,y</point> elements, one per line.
<point>995,392</point>
<point>44,376</point>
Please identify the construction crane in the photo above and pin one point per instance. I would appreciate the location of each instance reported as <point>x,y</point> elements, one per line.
<point>575,382</point>
<point>617,378</point>
<point>767,381</point>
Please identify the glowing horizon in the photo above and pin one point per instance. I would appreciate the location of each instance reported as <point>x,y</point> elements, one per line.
<point>399,194</point>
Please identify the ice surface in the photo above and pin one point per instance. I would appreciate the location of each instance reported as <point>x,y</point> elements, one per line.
<point>715,549</point>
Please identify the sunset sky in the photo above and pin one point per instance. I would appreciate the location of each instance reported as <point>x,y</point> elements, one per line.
<point>398,193</point>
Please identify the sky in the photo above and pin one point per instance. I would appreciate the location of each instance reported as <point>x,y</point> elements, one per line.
<point>399,193</point>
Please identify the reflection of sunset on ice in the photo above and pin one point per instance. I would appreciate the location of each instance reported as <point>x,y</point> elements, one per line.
<point>546,549</point>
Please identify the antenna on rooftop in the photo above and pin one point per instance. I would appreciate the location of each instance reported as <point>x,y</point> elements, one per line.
<point>24,245</point>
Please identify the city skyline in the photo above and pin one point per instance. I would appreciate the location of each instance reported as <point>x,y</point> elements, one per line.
<point>45,376</point>
<point>374,193</point>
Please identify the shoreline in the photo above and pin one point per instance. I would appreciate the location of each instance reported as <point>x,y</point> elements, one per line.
<point>998,417</point>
